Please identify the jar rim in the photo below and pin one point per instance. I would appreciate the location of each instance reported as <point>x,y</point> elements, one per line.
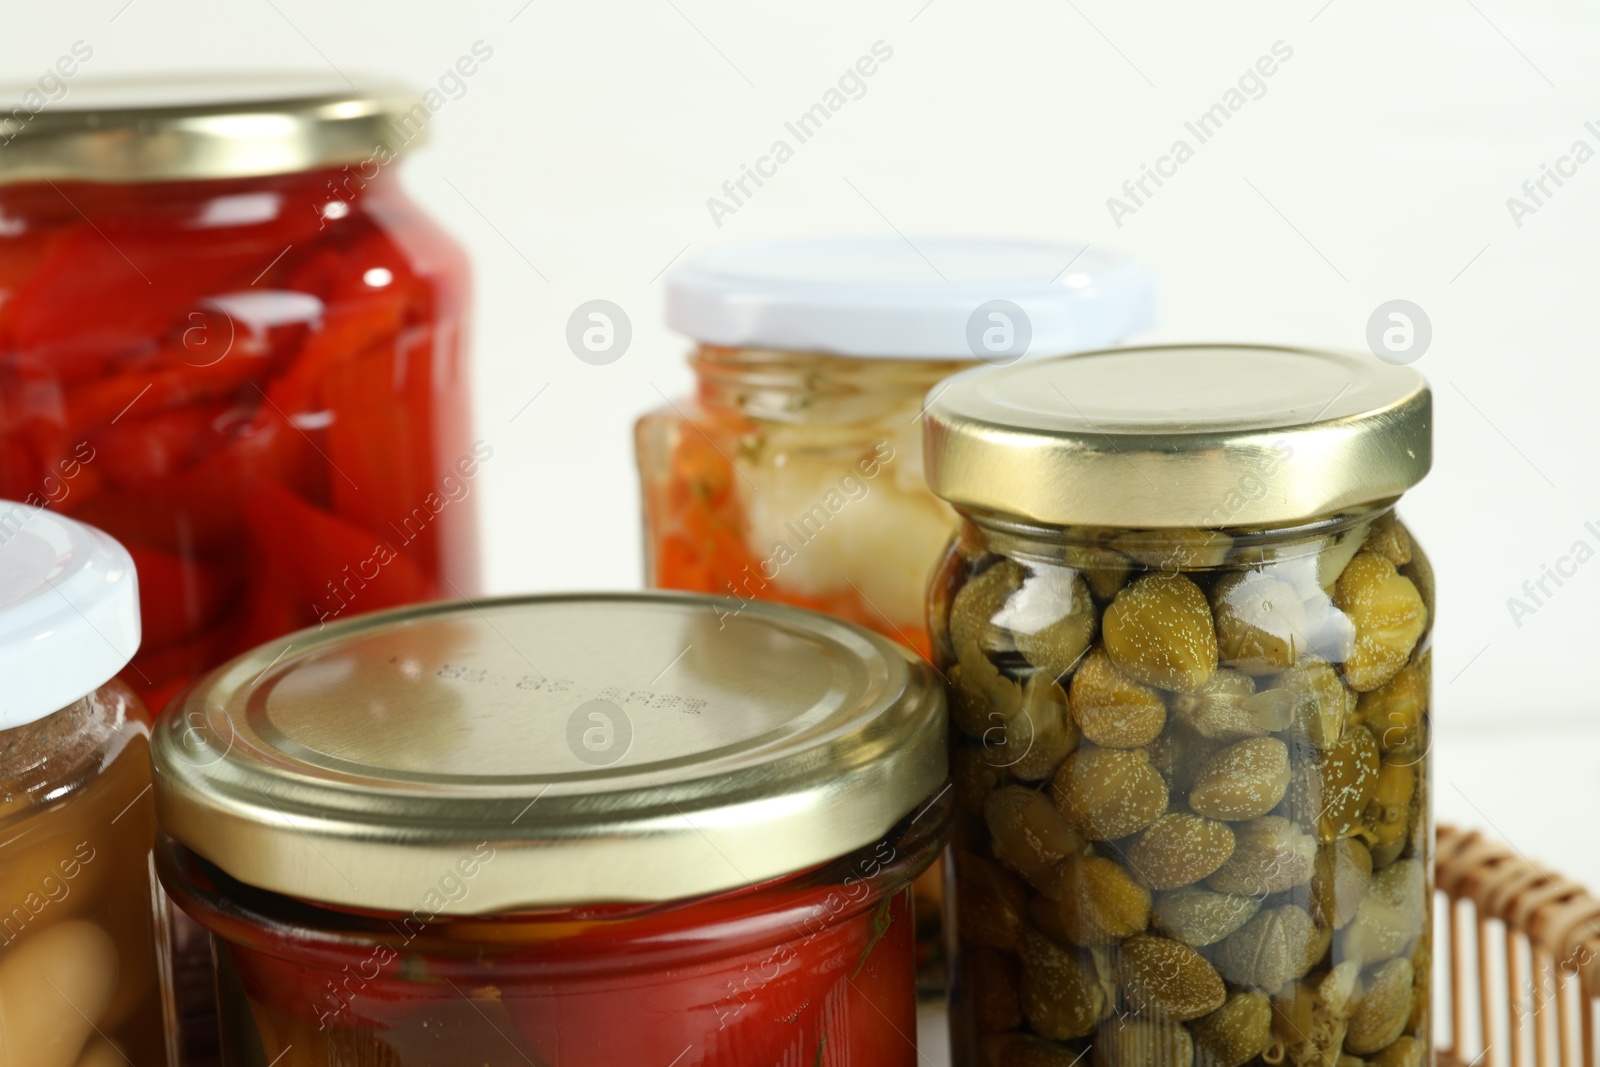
<point>204,126</point>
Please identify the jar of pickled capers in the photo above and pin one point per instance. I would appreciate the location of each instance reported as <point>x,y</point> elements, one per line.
<point>1188,643</point>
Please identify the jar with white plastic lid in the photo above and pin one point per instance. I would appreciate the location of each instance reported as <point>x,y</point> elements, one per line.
<point>795,474</point>
<point>1189,646</point>
<point>79,976</point>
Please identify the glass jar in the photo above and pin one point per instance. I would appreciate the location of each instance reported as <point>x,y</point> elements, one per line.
<point>795,474</point>
<point>228,338</point>
<point>1188,642</point>
<point>79,934</point>
<point>693,844</point>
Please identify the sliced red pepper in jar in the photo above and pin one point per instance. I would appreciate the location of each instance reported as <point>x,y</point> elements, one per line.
<point>335,567</point>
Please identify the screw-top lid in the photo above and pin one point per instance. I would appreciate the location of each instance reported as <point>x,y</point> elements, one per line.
<point>1179,436</point>
<point>609,748</point>
<point>173,128</point>
<point>69,612</point>
<point>958,298</point>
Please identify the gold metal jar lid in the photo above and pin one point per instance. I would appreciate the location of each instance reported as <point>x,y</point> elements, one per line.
<point>599,748</point>
<point>1179,436</point>
<point>215,126</point>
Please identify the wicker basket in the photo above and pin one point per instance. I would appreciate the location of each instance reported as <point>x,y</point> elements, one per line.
<point>1533,939</point>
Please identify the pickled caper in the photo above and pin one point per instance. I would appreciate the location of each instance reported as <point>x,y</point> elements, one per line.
<point>1388,812</point>
<point>1112,709</point>
<point>1235,1033</point>
<point>1175,550</point>
<point>1311,1020</point>
<point>1270,854</point>
<point>1394,711</point>
<point>1019,1050</point>
<point>1098,902</point>
<point>1159,631</point>
<point>1334,795</point>
<point>1026,831</point>
<point>1062,996</point>
<point>1168,978</point>
<point>1273,949</point>
<point>1242,781</point>
<point>1201,917</point>
<point>1319,704</point>
<point>1179,849</point>
<point>1262,626</point>
<point>1389,539</point>
<point>990,903</point>
<point>1107,793</point>
<point>1382,1012</point>
<point>1228,708</point>
<point>1130,1041</point>
<point>1052,619</point>
<point>1032,743</point>
<point>1202,805</point>
<point>1339,883</point>
<point>1105,569</point>
<point>1389,917</point>
<point>985,698</point>
<point>1389,617</point>
<point>977,603</point>
<point>1406,1052</point>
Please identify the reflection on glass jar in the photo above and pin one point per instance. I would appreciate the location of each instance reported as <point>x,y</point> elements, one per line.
<point>694,844</point>
<point>817,966</point>
<point>798,478</point>
<point>79,974</point>
<point>236,345</point>
<point>1190,735</point>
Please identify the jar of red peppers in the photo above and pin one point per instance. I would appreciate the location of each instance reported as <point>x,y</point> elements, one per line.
<point>80,977</point>
<point>586,830</point>
<point>228,338</point>
<point>1188,642</point>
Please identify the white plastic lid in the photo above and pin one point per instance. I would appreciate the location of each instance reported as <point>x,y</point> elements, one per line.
<point>917,298</point>
<point>69,612</point>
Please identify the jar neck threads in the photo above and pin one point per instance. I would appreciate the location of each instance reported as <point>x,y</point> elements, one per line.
<point>199,202</point>
<point>1011,536</point>
<point>811,387</point>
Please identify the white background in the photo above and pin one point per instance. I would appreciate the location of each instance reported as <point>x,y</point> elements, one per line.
<point>1378,164</point>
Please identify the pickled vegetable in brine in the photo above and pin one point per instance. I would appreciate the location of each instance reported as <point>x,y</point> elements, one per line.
<point>1193,766</point>
<point>256,385</point>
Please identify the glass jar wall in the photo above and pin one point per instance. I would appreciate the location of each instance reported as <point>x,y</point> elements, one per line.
<point>816,968</point>
<point>1189,732</point>
<point>237,345</point>
<point>1194,802</point>
<point>797,478</point>
<point>79,978</point>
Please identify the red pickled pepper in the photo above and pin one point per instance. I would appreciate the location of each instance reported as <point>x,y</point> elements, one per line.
<point>211,360</point>
<point>832,992</point>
